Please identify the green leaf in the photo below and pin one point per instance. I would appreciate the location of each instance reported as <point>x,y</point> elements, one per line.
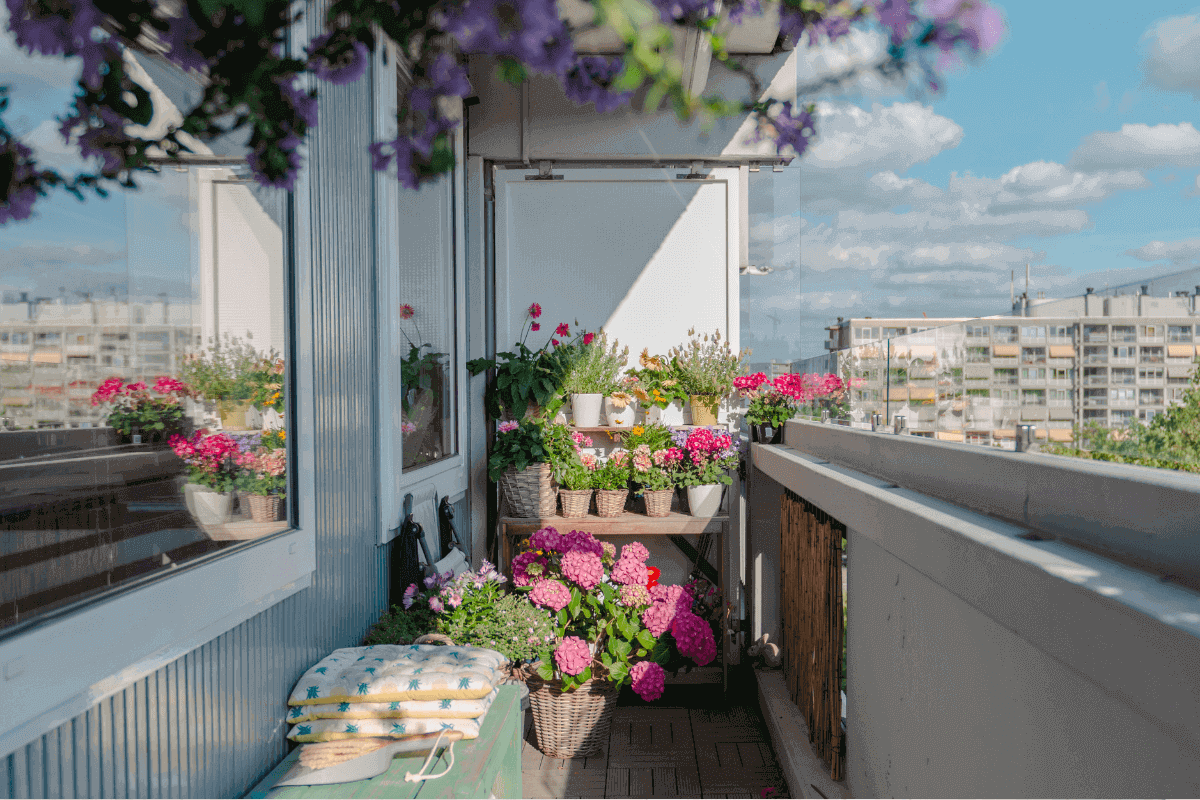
<point>606,659</point>
<point>586,675</point>
<point>573,606</point>
<point>545,671</point>
<point>646,638</point>
<point>562,617</point>
<point>618,673</point>
<point>641,652</point>
<point>624,648</point>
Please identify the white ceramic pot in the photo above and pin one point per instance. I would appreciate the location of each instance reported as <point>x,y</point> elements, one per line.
<point>585,408</point>
<point>206,506</point>
<point>705,501</point>
<point>620,417</point>
<point>671,415</point>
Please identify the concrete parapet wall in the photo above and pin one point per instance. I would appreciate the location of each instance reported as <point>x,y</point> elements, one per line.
<point>983,664</point>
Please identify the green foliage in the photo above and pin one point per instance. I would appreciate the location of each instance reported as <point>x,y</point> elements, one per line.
<point>266,382</point>
<point>656,436</point>
<point>153,415</point>
<point>223,371</point>
<point>506,623</point>
<point>707,365</point>
<point>593,368</point>
<point>575,476</point>
<point>523,378</point>
<point>420,373</point>
<point>398,626</point>
<point>771,408</point>
<point>518,448</point>
<point>660,381</point>
<point>614,473</point>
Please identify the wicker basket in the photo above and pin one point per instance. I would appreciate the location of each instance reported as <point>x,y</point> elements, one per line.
<point>529,492</point>
<point>658,502</point>
<point>571,724</point>
<point>265,507</point>
<point>575,502</point>
<point>611,502</point>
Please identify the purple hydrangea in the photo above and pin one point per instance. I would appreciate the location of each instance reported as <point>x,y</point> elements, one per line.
<point>648,680</point>
<point>693,637</point>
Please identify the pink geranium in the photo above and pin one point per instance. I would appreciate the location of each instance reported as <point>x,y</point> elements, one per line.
<point>535,311</point>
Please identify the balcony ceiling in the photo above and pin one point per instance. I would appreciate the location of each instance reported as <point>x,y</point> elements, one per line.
<point>756,35</point>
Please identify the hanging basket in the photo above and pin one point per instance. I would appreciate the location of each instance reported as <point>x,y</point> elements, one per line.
<point>571,724</point>
<point>658,502</point>
<point>530,492</point>
<point>575,502</point>
<point>611,502</point>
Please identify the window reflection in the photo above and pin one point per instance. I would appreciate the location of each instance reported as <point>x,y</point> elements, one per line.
<point>143,383</point>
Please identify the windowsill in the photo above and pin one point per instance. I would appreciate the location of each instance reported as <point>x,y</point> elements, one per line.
<point>56,671</point>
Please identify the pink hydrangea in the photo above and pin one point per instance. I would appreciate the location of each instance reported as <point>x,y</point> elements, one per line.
<point>609,551</point>
<point>634,595</point>
<point>581,440</point>
<point>648,679</point>
<point>657,618</point>
<point>694,638</point>
<point>630,572</point>
<point>583,568</point>
<point>667,602</point>
<point>581,540</point>
<point>521,564</point>
<point>550,593</point>
<point>635,551</point>
<point>546,539</point>
<point>573,656</point>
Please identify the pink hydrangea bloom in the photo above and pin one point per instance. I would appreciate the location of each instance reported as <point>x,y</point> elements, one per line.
<point>573,656</point>
<point>635,551</point>
<point>649,680</point>
<point>582,540</point>
<point>584,568</point>
<point>546,539</point>
<point>520,567</point>
<point>667,602</point>
<point>694,638</point>
<point>657,618</point>
<point>581,440</point>
<point>634,595</point>
<point>630,572</point>
<point>550,593</point>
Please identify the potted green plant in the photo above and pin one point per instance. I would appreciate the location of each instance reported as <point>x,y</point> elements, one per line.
<point>519,462</point>
<point>655,472</point>
<point>612,484</point>
<point>612,625</point>
<point>770,406</point>
<point>222,373</point>
<point>213,474</point>
<point>571,467</point>
<point>707,367</point>
<point>592,373</point>
<point>150,414</point>
<point>659,389</point>
<point>707,457</point>
<point>264,478</point>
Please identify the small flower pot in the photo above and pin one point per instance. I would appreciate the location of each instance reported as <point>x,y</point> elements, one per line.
<point>207,506</point>
<point>767,434</point>
<point>586,409</point>
<point>611,502</point>
<point>620,417</point>
<point>704,409</point>
<point>575,502</point>
<point>658,502</point>
<point>233,415</point>
<point>671,415</point>
<point>705,501</point>
<point>265,507</point>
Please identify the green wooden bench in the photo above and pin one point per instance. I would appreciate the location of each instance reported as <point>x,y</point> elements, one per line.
<point>489,766</point>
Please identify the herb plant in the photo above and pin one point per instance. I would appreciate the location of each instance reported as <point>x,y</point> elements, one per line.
<point>594,368</point>
<point>707,365</point>
<point>223,371</point>
<point>400,626</point>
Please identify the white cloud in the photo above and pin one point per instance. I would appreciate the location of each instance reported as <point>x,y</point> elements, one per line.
<point>1173,55</point>
<point>1181,252</point>
<point>993,255</point>
<point>891,137</point>
<point>1103,101</point>
<point>817,301</point>
<point>1139,146</point>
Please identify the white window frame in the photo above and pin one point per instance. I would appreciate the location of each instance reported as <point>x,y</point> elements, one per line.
<point>108,643</point>
<point>447,477</point>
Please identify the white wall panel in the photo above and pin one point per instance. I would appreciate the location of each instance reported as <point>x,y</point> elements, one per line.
<point>644,256</point>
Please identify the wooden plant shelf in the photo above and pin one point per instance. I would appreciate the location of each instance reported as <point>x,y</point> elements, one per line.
<point>626,524</point>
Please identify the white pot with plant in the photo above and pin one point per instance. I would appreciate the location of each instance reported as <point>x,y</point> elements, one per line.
<point>705,470</point>
<point>591,371</point>
<point>620,409</point>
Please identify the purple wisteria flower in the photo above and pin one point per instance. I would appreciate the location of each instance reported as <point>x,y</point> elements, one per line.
<point>739,8</point>
<point>180,39</point>
<point>529,31</point>
<point>680,10</point>
<point>19,195</point>
<point>588,81</point>
<point>302,102</point>
<point>66,29</point>
<point>342,62</point>
<point>787,129</point>
<point>897,16</point>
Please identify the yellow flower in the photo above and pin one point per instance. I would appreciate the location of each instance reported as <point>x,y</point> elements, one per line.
<point>620,399</point>
<point>640,393</point>
<point>650,362</point>
<point>638,430</point>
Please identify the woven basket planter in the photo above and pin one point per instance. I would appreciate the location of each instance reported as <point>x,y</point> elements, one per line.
<point>530,492</point>
<point>265,508</point>
<point>571,724</point>
<point>575,502</point>
<point>658,502</point>
<point>611,502</point>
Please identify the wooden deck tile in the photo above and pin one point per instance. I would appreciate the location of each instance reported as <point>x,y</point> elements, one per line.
<point>651,738</point>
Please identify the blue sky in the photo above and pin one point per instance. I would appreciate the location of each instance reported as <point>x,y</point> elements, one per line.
<point>910,203</point>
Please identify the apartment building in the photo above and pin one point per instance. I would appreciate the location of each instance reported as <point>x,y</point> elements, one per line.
<point>54,354</point>
<point>1053,363</point>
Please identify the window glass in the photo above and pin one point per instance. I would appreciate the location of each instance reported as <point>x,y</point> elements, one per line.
<point>144,377</point>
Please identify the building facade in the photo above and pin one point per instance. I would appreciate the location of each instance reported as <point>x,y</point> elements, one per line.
<point>1059,364</point>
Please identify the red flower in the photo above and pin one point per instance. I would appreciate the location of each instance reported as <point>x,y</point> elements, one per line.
<point>587,338</point>
<point>535,311</point>
<point>555,342</point>
<point>537,326</point>
<point>654,573</point>
<point>562,329</point>
<point>406,311</point>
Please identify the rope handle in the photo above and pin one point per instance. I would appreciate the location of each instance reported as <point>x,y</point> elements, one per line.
<point>434,638</point>
<point>421,776</point>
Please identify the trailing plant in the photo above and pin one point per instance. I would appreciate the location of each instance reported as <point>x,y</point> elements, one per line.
<point>607,622</point>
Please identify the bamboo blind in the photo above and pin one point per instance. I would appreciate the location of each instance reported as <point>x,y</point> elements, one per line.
<point>811,593</point>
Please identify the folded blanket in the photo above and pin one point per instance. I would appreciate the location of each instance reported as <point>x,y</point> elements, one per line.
<point>385,673</point>
<point>328,730</point>
<point>397,709</point>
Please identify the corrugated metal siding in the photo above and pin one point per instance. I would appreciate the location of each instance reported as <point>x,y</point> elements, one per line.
<point>212,723</point>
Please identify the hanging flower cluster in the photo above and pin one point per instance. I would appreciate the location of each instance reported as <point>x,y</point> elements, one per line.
<point>252,82</point>
<point>211,457</point>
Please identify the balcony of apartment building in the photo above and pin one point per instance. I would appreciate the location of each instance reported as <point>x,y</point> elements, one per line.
<point>1123,354</point>
<point>1151,355</point>
<point>1095,354</point>
<point>1124,334</point>
<point>1095,334</point>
